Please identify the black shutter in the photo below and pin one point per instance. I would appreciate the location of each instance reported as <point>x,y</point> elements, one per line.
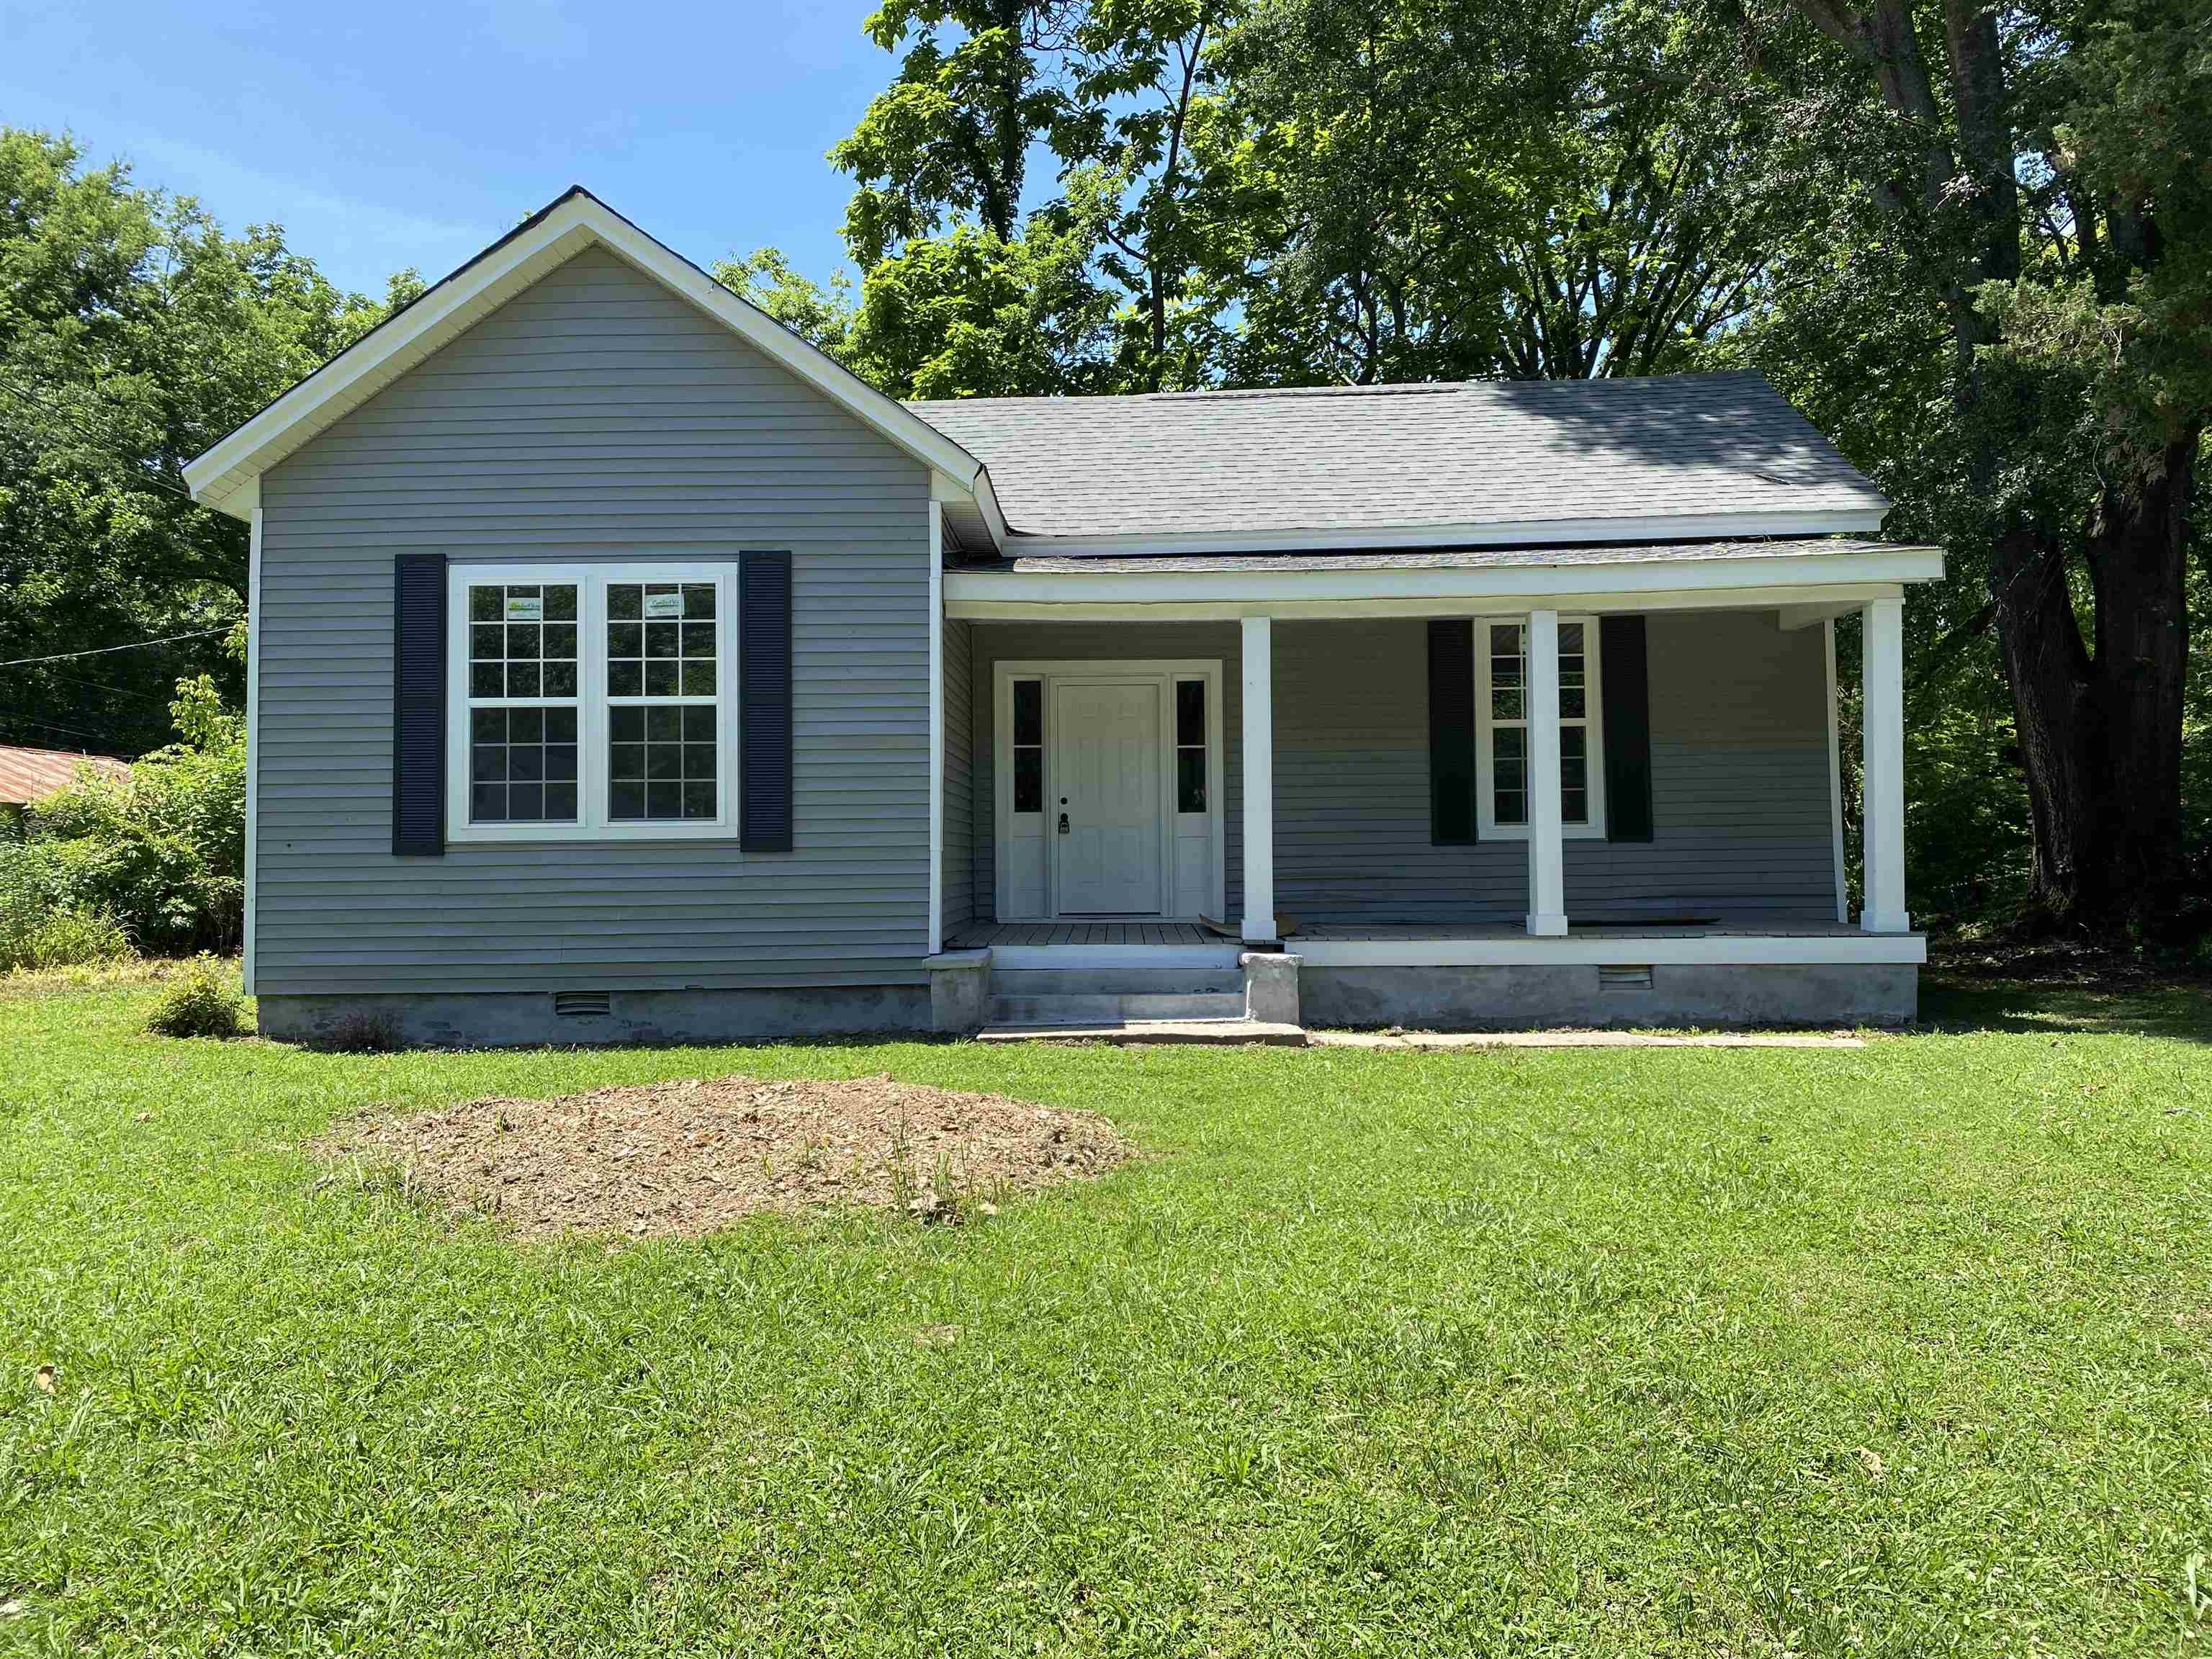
<point>764,702</point>
<point>1625,673</point>
<point>418,705</point>
<point>1451,734</point>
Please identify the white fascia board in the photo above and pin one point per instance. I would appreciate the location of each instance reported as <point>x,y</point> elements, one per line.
<point>1811,578</point>
<point>1731,950</point>
<point>1518,532</point>
<point>977,492</point>
<point>566,229</point>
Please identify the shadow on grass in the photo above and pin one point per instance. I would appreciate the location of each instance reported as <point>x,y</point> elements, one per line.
<point>1953,999</point>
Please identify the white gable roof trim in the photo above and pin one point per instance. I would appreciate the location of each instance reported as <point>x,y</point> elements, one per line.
<point>227,477</point>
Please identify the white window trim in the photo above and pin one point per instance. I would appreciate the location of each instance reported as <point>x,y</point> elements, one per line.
<point>592,706</point>
<point>1166,672</point>
<point>1488,827</point>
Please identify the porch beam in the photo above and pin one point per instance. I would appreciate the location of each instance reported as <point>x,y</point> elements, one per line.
<point>1259,662</point>
<point>1083,601</point>
<point>1882,685</point>
<point>1769,577</point>
<point>1547,898</point>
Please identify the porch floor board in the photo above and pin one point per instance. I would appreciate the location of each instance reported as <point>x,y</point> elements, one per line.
<point>977,935</point>
<point>1365,932</point>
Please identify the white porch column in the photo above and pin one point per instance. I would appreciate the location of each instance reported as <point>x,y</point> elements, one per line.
<point>1882,728</point>
<point>1258,651</point>
<point>1547,901</point>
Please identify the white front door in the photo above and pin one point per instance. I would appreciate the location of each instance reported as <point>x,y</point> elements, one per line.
<point>1104,825</point>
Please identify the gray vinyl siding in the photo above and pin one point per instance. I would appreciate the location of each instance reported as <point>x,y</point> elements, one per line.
<point>1739,781</point>
<point>959,877</point>
<point>997,642</point>
<point>1739,758</point>
<point>594,417</point>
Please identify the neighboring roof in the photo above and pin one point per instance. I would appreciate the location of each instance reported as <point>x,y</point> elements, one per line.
<point>1478,558</point>
<point>29,775</point>
<point>1679,456</point>
<point>226,476</point>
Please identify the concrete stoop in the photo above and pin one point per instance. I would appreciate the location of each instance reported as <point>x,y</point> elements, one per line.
<point>1253,1000</point>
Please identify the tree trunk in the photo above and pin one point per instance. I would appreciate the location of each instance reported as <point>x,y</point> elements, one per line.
<point>2101,738</point>
<point>2047,670</point>
<point>2138,566</point>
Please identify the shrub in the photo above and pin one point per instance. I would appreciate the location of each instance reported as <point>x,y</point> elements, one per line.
<point>200,1001</point>
<point>162,854</point>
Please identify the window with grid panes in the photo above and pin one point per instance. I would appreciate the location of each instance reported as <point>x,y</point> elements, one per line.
<point>1502,714</point>
<point>593,700</point>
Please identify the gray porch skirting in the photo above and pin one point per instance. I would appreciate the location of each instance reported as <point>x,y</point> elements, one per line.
<point>1530,995</point>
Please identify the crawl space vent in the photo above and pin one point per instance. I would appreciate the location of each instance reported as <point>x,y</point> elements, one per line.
<point>1625,978</point>
<point>582,1005</point>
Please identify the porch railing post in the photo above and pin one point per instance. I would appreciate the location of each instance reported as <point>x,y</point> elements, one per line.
<point>1883,729</point>
<point>1548,903</point>
<point>1258,654</point>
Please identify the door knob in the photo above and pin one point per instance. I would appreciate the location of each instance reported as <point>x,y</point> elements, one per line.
<point>1063,824</point>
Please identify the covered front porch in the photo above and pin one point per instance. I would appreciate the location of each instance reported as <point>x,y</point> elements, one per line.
<point>1494,796</point>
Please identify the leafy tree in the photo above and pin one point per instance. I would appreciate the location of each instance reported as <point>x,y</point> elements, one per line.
<point>951,135</point>
<point>1451,189</point>
<point>940,227</point>
<point>2025,226</point>
<point>133,333</point>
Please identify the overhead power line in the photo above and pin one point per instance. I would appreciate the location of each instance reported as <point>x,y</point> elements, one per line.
<point>104,650</point>
<point>107,445</point>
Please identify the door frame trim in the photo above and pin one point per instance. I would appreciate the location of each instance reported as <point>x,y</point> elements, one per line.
<point>1164,671</point>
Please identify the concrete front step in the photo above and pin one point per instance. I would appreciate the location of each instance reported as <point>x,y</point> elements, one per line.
<point>1123,980</point>
<point>1213,1033</point>
<point>1113,1009</point>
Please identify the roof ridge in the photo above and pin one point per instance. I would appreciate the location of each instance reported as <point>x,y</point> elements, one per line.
<point>1386,389</point>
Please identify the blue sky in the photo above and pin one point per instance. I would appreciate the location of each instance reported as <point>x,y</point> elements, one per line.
<point>387,136</point>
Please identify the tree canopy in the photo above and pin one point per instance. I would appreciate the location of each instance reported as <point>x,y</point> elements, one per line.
<point>133,332</point>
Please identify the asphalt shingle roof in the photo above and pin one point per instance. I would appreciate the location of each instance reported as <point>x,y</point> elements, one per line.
<point>1350,458</point>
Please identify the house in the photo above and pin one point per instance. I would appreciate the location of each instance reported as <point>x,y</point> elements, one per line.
<point>31,774</point>
<point>622,668</point>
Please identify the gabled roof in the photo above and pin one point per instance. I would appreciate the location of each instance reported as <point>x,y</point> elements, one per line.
<point>1483,464</point>
<point>1497,463</point>
<point>29,775</point>
<point>226,476</point>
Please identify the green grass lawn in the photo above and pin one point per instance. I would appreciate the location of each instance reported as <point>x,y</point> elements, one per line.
<point>1898,1350</point>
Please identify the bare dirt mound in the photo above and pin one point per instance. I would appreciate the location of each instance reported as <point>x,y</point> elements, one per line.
<point>680,1159</point>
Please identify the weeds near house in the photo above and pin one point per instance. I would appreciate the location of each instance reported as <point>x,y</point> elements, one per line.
<point>65,938</point>
<point>361,1032</point>
<point>200,1001</point>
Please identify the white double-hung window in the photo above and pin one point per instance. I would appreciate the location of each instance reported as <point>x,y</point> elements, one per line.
<point>1502,711</point>
<point>590,702</point>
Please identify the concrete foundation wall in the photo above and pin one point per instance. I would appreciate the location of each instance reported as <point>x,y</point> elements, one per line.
<point>499,1019</point>
<point>1513,998</point>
